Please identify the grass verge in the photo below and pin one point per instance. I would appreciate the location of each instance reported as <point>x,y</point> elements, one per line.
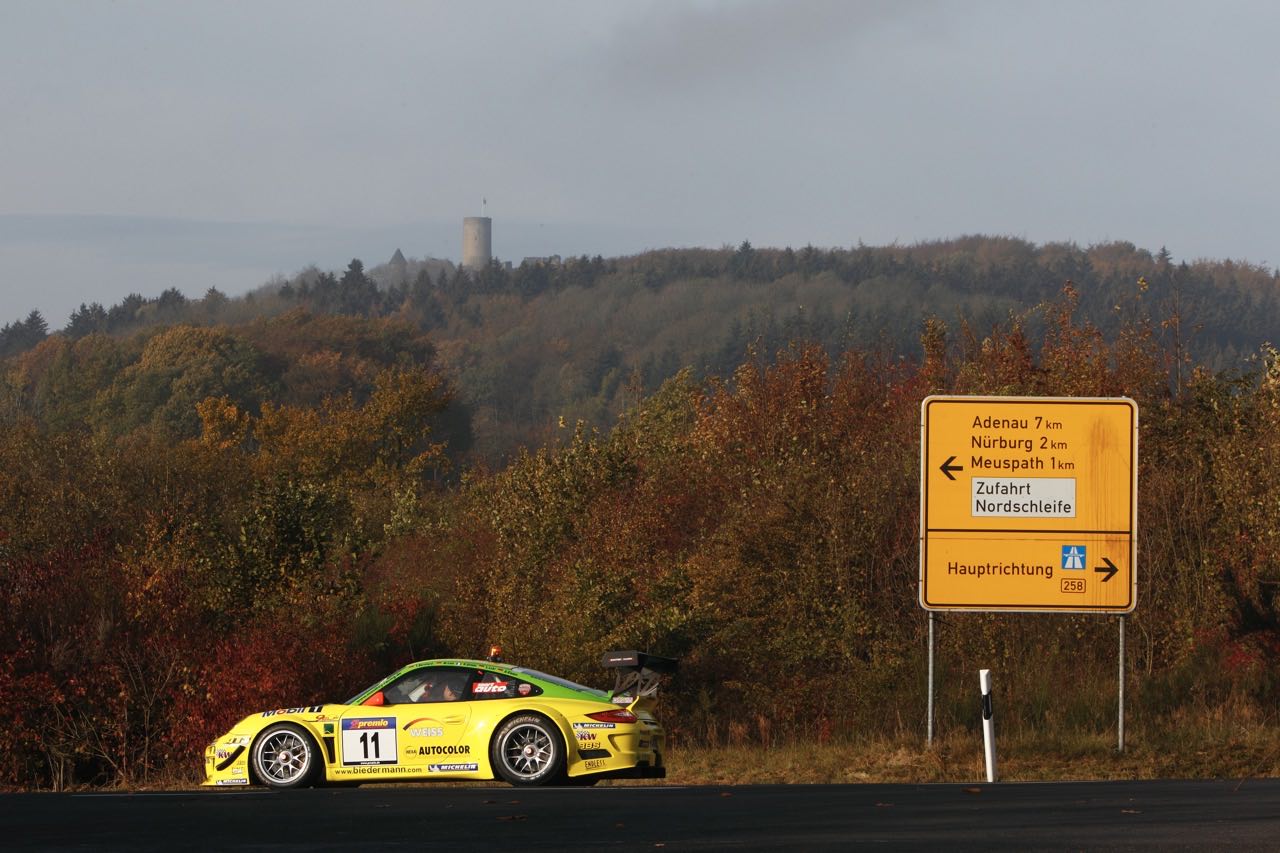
<point>1176,751</point>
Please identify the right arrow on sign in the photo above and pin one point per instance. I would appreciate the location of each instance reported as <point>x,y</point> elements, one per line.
<point>947,467</point>
<point>1110,569</point>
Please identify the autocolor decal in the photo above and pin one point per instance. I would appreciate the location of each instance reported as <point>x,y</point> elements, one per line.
<point>464,749</point>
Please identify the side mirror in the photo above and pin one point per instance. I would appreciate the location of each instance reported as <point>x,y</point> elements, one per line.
<point>376,699</point>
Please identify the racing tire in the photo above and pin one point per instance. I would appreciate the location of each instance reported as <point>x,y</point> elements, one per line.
<point>284,756</point>
<point>527,750</point>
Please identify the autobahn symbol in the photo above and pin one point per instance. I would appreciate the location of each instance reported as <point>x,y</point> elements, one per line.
<point>1073,556</point>
<point>1028,504</point>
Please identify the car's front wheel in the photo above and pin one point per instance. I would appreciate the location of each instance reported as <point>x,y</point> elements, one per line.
<point>284,756</point>
<point>527,750</point>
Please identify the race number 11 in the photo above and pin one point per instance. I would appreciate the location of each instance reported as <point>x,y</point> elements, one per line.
<point>369,741</point>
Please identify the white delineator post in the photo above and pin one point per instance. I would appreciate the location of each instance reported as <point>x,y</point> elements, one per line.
<point>988,724</point>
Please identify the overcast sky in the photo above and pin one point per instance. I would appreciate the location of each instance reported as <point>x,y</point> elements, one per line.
<point>192,144</point>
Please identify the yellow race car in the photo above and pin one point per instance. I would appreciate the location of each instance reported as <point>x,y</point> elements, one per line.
<point>458,719</point>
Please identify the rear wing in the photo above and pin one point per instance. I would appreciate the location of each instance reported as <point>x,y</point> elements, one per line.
<point>637,674</point>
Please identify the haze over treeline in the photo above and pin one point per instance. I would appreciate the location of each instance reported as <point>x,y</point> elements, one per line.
<point>214,506</point>
<point>583,338</point>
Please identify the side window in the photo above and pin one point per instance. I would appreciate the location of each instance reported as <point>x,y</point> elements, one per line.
<point>497,685</point>
<point>432,684</point>
<point>408,687</point>
<point>451,686</point>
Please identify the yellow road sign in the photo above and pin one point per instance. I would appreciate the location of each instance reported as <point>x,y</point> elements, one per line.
<point>1028,504</point>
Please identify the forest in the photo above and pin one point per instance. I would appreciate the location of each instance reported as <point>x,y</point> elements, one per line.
<point>214,506</point>
<point>586,338</point>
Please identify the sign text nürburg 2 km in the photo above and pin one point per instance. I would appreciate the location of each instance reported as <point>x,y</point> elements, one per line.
<point>1028,504</point>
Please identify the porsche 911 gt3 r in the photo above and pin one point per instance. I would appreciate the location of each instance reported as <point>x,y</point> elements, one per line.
<point>457,719</point>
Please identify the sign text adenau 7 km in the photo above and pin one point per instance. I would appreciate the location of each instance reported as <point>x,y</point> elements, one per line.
<point>1028,504</point>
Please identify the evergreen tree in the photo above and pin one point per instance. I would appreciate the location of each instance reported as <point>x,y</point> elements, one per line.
<point>86,320</point>
<point>358,294</point>
<point>23,335</point>
<point>171,300</point>
<point>126,312</point>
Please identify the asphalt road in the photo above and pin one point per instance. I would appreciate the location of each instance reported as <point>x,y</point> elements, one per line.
<point>1168,815</point>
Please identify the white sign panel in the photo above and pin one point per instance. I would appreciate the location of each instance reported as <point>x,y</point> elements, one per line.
<point>1024,497</point>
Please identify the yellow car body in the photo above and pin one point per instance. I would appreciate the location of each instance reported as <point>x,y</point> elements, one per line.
<point>452,719</point>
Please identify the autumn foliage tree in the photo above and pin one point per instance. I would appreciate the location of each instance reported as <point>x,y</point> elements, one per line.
<point>196,522</point>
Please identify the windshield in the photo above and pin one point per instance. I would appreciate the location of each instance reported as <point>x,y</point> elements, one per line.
<point>368,689</point>
<point>561,682</point>
<point>353,699</point>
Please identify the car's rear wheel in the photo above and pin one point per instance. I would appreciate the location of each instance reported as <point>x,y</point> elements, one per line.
<point>284,756</point>
<point>527,750</point>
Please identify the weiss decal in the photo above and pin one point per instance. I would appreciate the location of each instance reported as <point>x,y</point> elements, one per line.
<point>416,729</point>
<point>428,731</point>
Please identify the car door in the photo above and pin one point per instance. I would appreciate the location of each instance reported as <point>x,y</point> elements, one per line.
<point>433,726</point>
<point>416,731</point>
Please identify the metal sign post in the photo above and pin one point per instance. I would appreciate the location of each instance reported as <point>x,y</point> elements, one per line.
<point>1120,715</point>
<point>929,737</point>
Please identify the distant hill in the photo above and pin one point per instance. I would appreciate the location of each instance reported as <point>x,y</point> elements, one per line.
<point>532,347</point>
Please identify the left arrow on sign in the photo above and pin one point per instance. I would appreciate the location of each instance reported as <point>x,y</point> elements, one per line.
<point>947,467</point>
